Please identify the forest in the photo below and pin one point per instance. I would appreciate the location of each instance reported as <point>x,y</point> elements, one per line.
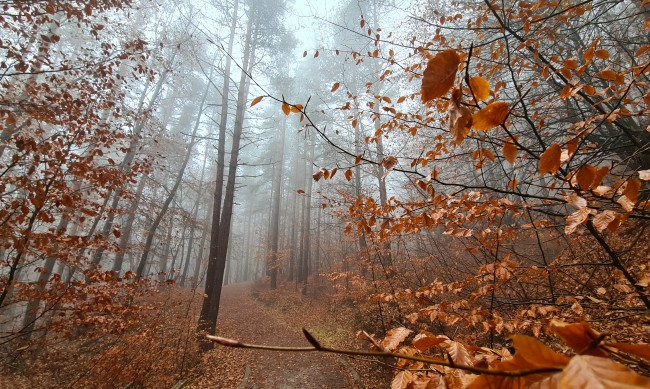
<point>404,194</point>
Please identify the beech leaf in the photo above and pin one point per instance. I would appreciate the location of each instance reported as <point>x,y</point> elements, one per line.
<point>579,336</point>
<point>510,152</point>
<point>394,337</point>
<point>490,116</point>
<point>256,100</point>
<point>286,108</point>
<point>459,354</point>
<point>480,87</point>
<point>586,371</point>
<point>335,87</point>
<point>439,75</point>
<point>549,161</point>
<point>638,350</point>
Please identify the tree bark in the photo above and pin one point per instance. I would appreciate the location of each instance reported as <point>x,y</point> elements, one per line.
<point>275,217</point>
<point>219,249</point>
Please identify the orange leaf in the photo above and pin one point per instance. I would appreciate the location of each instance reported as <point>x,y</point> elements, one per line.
<point>585,176</point>
<point>394,337</point>
<point>440,75</point>
<point>510,152</point>
<point>480,87</point>
<point>300,191</point>
<point>424,342</point>
<point>335,87</point>
<point>490,116</point>
<point>549,161</point>
<point>296,108</point>
<point>348,174</point>
<point>602,54</point>
<point>536,353</point>
<point>286,108</point>
<point>632,189</point>
<point>638,350</point>
<point>579,336</point>
<point>257,100</point>
<point>586,371</point>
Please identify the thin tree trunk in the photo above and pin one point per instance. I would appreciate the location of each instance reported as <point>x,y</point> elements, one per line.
<point>275,217</point>
<point>172,192</point>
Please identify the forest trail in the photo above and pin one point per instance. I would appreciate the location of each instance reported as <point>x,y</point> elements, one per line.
<point>247,319</point>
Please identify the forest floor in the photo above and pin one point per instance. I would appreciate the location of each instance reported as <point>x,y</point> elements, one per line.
<point>253,314</point>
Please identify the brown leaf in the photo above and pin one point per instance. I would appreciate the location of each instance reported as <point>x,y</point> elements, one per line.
<point>585,176</point>
<point>256,100</point>
<point>638,350</point>
<point>510,152</point>
<point>424,342</point>
<point>549,161</point>
<point>536,354</point>
<point>575,219</point>
<point>585,371</point>
<point>401,380</point>
<point>335,87</point>
<point>490,116</point>
<point>389,162</point>
<point>579,336</point>
<point>394,337</point>
<point>575,200</point>
<point>604,219</point>
<point>632,189</point>
<point>460,122</point>
<point>480,87</point>
<point>286,108</point>
<point>459,353</point>
<point>439,75</point>
<point>348,174</point>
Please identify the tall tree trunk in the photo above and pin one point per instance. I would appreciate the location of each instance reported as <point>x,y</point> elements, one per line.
<point>275,217</point>
<point>305,241</point>
<point>218,192</point>
<point>219,249</point>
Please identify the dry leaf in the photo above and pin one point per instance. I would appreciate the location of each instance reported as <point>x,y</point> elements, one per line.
<point>394,337</point>
<point>480,87</point>
<point>510,152</point>
<point>549,161</point>
<point>490,116</point>
<point>439,75</point>
<point>585,371</point>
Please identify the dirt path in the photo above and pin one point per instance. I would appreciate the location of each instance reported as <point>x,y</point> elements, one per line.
<point>244,318</point>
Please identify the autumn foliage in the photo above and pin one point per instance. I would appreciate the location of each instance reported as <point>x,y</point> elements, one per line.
<point>523,194</point>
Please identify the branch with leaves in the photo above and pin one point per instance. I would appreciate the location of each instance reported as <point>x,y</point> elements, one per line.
<point>532,363</point>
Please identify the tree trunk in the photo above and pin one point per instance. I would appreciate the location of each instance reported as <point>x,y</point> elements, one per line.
<point>275,217</point>
<point>219,249</point>
<point>172,192</point>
